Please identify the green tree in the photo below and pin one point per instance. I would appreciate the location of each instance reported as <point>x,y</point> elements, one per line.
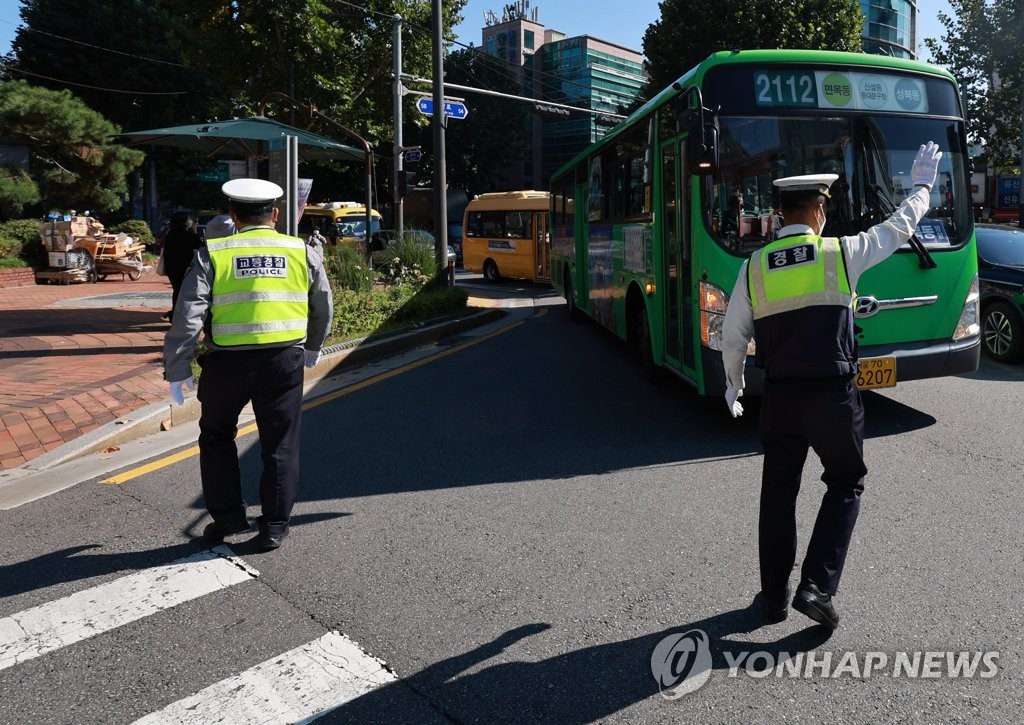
<point>983,47</point>
<point>72,160</point>
<point>330,55</point>
<point>690,30</point>
<point>492,138</point>
<point>129,60</point>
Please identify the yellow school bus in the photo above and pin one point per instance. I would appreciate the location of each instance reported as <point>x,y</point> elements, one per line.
<point>504,234</point>
<point>341,222</point>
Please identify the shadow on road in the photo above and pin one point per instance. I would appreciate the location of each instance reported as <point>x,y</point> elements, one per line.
<point>585,685</point>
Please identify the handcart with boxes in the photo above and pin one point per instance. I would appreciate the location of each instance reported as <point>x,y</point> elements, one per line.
<point>79,250</point>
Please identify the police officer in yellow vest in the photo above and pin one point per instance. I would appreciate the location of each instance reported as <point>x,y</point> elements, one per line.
<point>264,302</point>
<point>795,298</point>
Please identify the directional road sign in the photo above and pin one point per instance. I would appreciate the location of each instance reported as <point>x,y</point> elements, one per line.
<point>413,155</point>
<point>452,109</point>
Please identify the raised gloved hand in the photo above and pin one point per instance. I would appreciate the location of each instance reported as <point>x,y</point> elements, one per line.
<point>179,387</point>
<point>926,165</point>
<point>312,357</point>
<point>732,401</point>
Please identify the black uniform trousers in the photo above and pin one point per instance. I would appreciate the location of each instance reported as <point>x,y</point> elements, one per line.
<point>272,379</point>
<point>825,414</point>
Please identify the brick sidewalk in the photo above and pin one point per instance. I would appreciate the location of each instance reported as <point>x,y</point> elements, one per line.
<point>74,357</point>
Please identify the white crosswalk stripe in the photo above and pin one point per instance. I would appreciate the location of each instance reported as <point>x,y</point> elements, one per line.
<point>294,687</point>
<point>297,686</point>
<point>56,624</point>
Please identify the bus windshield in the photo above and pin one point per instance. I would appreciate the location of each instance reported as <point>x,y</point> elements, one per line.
<point>872,156</point>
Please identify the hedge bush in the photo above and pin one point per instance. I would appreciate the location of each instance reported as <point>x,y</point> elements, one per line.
<point>20,243</point>
<point>347,269</point>
<point>137,229</point>
<point>384,309</point>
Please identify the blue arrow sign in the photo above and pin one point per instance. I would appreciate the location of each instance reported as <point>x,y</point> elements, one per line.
<point>452,109</point>
<point>413,155</point>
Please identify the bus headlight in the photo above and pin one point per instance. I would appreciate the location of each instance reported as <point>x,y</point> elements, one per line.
<point>969,325</point>
<point>713,303</point>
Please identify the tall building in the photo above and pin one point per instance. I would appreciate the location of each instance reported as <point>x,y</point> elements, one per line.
<point>585,72</point>
<point>580,71</point>
<point>890,27</point>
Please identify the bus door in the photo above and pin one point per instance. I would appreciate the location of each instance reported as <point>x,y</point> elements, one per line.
<point>677,249</point>
<point>540,242</point>
<point>669,231</point>
<point>686,294</point>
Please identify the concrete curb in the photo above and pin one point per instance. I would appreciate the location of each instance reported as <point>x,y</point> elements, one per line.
<point>149,419</point>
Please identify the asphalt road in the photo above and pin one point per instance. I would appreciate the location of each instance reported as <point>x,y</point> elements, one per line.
<point>512,522</point>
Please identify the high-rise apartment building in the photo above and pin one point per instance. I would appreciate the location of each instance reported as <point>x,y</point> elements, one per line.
<point>890,27</point>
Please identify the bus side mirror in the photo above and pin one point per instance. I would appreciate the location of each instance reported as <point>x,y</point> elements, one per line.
<point>704,150</point>
<point>702,125</point>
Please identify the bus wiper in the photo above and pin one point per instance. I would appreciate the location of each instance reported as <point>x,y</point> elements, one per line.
<point>887,207</point>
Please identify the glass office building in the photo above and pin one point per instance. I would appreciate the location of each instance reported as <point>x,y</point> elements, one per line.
<point>587,73</point>
<point>582,71</point>
<point>890,27</point>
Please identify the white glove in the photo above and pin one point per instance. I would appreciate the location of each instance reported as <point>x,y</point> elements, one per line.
<point>178,389</point>
<point>925,165</point>
<point>732,401</point>
<point>312,358</point>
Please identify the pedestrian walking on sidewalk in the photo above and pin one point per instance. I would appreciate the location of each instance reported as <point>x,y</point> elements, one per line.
<point>264,303</point>
<point>795,296</point>
<point>180,245</point>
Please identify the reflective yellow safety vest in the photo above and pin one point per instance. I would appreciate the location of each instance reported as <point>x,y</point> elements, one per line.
<point>803,308</point>
<point>260,289</point>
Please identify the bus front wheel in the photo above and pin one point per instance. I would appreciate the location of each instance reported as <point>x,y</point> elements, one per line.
<point>642,345</point>
<point>491,271</point>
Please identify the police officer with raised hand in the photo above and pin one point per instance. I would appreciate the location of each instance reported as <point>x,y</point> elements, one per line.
<point>795,296</point>
<point>264,303</point>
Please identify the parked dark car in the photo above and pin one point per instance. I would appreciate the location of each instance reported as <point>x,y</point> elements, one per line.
<point>384,238</point>
<point>1001,277</point>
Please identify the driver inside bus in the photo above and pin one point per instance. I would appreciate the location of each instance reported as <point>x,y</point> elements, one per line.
<point>796,296</point>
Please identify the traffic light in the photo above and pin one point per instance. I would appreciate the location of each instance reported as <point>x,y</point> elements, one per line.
<point>406,179</point>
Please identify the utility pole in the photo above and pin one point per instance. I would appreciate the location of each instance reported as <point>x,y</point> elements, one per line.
<point>1020,86</point>
<point>438,120</point>
<point>398,167</point>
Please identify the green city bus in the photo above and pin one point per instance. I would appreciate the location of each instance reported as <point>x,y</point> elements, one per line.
<point>650,224</point>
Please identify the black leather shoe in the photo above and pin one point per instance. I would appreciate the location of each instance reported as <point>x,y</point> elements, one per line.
<point>267,542</point>
<point>776,608</point>
<point>817,605</point>
<point>214,532</point>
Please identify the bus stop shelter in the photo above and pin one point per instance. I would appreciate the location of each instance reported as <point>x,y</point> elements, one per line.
<point>256,137</point>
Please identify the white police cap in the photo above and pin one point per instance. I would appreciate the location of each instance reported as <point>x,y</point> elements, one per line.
<point>808,182</point>
<point>252,191</point>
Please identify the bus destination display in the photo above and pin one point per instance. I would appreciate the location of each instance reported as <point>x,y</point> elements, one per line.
<point>839,90</point>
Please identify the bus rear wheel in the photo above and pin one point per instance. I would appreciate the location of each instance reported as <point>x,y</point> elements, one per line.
<point>491,271</point>
<point>570,300</point>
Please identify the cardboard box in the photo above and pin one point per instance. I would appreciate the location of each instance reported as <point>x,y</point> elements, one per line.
<point>58,259</point>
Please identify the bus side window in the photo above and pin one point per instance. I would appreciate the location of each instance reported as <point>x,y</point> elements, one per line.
<point>517,225</point>
<point>493,224</point>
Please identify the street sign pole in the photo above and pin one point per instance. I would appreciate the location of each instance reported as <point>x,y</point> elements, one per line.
<point>440,177</point>
<point>397,204</point>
